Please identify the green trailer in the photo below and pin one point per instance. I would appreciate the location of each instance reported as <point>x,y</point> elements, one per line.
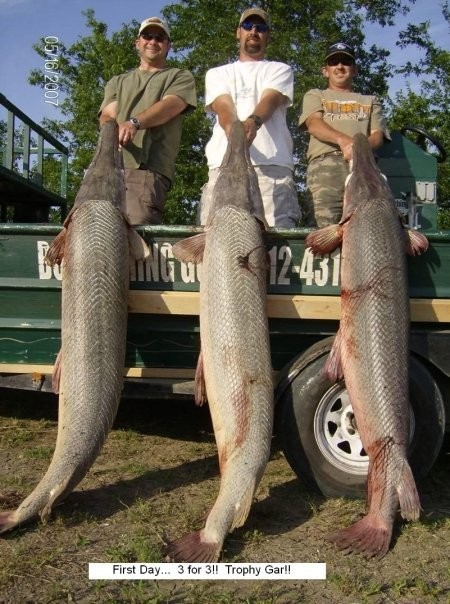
<point>314,418</point>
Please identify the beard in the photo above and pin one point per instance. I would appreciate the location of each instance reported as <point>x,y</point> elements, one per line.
<point>253,46</point>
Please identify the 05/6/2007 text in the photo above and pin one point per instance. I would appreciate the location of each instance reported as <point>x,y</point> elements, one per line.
<point>51,70</point>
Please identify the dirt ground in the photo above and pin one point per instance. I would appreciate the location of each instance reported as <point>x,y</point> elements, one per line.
<point>155,479</point>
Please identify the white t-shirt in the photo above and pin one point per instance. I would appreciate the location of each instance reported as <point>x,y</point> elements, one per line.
<point>245,82</point>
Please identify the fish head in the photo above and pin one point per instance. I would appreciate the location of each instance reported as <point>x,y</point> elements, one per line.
<point>105,177</point>
<point>365,184</point>
<point>237,182</point>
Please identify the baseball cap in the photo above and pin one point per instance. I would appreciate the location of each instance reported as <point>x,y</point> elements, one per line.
<point>156,22</point>
<point>340,48</point>
<point>255,11</point>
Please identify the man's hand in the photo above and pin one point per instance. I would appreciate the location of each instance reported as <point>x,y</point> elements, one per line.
<point>127,132</point>
<point>346,144</point>
<point>251,129</point>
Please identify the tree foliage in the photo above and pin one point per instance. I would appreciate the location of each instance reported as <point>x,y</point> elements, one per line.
<point>428,106</point>
<point>203,36</point>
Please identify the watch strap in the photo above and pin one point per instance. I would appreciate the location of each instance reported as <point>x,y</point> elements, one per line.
<point>258,121</point>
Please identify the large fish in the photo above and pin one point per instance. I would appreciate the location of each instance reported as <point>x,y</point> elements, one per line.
<point>95,246</point>
<point>234,363</point>
<point>371,349</point>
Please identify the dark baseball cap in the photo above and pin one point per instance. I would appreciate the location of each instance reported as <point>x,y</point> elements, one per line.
<point>340,48</point>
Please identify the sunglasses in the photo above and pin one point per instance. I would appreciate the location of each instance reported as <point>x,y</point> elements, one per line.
<point>333,61</point>
<point>158,37</point>
<point>261,28</point>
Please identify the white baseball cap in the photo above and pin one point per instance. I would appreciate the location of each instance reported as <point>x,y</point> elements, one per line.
<point>155,22</point>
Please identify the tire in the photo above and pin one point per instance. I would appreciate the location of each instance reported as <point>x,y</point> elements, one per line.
<point>319,435</point>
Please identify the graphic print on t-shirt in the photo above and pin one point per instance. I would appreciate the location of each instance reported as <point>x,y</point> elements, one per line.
<point>345,110</point>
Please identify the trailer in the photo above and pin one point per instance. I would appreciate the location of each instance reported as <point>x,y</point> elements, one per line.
<point>314,418</point>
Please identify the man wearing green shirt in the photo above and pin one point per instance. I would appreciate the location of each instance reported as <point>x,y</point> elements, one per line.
<point>148,104</point>
<point>332,117</point>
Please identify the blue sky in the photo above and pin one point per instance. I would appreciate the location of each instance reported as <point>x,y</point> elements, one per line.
<point>25,21</point>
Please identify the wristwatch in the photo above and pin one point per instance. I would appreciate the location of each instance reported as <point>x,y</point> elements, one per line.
<point>258,121</point>
<point>136,123</point>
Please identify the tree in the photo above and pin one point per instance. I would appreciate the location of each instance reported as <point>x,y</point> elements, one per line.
<point>203,37</point>
<point>428,107</point>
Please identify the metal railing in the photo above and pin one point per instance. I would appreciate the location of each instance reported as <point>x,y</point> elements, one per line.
<point>31,142</point>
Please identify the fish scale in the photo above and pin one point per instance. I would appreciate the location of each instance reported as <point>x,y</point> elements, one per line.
<point>241,304</point>
<point>379,318</point>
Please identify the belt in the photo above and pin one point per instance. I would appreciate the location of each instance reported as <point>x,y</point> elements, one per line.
<point>328,154</point>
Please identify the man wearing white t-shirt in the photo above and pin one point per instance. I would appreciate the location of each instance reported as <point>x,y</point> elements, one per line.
<point>257,92</point>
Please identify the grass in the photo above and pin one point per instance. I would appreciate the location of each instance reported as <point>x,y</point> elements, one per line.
<point>39,452</point>
<point>137,548</point>
<point>147,485</point>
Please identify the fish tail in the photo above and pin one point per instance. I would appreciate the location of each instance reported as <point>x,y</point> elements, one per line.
<point>370,536</point>
<point>193,547</point>
<point>205,545</point>
<point>408,495</point>
<point>8,520</point>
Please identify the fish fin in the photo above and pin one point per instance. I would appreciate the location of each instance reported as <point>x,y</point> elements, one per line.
<point>325,240</point>
<point>243,506</point>
<point>369,536</point>
<point>333,366</point>
<point>408,495</point>
<point>138,248</point>
<point>56,376</point>
<point>8,520</point>
<point>200,386</point>
<point>416,243</point>
<point>192,548</point>
<point>55,494</point>
<point>55,252</point>
<point>190,249</point>
<point>347,179</point>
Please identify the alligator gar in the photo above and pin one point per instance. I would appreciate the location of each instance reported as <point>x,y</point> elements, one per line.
<point>94,247</point>
<point>234,365</point>
<point>371,349</point>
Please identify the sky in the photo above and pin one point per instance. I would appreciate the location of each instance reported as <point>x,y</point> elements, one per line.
<point>24,22</point>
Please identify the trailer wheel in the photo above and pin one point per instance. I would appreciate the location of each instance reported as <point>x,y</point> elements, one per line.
<point>320,438</point>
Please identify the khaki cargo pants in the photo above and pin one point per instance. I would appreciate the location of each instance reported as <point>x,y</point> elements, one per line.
<point>325,180</point>
<point>145,196</point>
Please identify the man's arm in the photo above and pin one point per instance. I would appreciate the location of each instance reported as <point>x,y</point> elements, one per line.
<point>225,109</point>
<point>376,139</point>
<point>327,134</point>
<point>108,113</point>
<point>157,114</point>
<point>270,100</point>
